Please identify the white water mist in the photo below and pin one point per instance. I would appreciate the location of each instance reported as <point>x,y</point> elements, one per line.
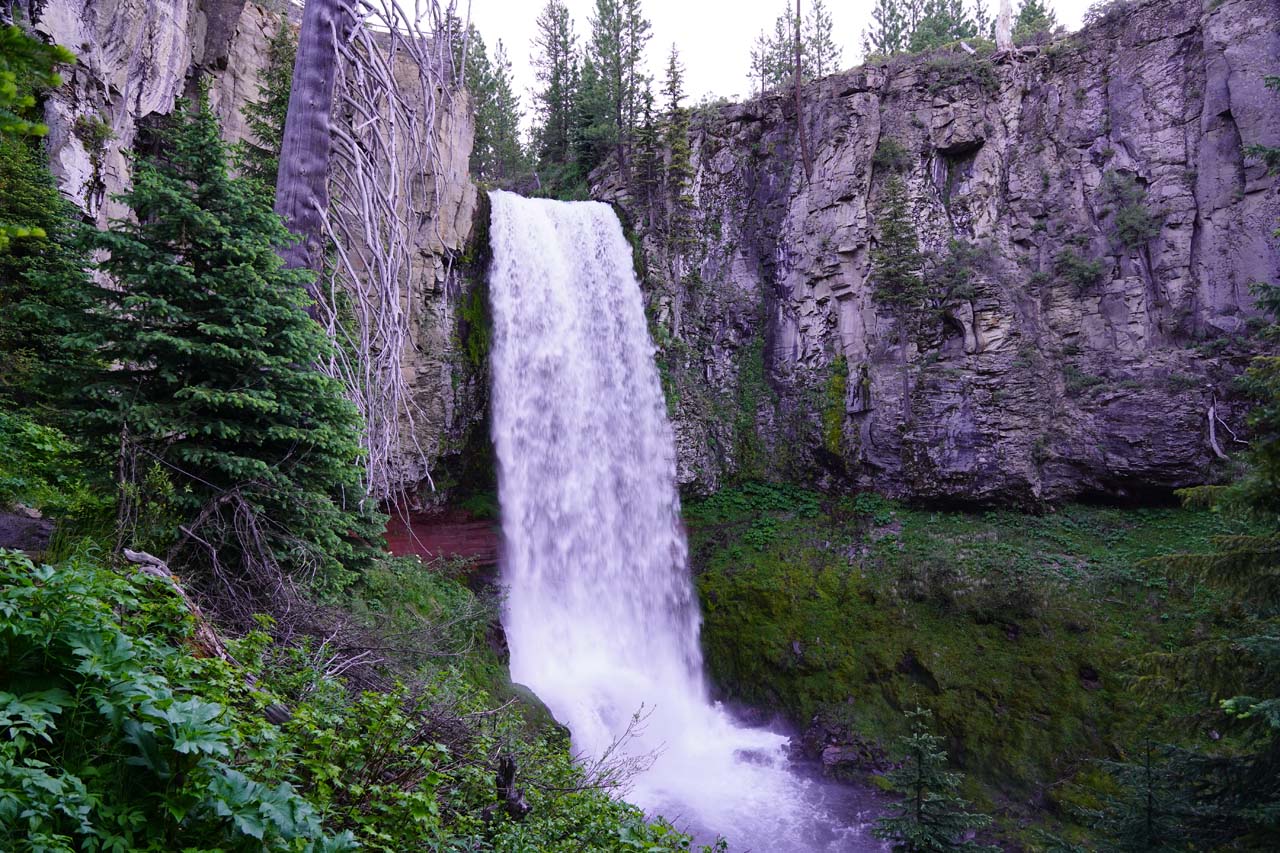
<point>601,617</point>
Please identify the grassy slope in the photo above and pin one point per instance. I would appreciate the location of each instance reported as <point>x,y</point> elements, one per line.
<point>1019,632</point>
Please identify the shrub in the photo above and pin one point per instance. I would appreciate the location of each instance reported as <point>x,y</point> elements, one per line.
<point>1077,270</point>
<point>892,155</point>
<point>1126,200</point>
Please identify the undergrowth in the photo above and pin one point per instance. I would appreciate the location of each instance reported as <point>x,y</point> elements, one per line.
<point>1018,632</point>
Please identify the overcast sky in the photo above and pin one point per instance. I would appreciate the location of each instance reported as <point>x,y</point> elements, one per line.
<point>714,36</point>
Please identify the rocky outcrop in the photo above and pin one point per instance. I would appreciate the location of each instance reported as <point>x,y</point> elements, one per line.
<point>135,58</point>
<point>1104,182</point>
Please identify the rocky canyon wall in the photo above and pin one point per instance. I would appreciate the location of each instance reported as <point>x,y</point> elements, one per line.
<point>1102,181</point>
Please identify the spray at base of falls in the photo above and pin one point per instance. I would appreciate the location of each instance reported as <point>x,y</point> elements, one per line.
<point>601,617</point>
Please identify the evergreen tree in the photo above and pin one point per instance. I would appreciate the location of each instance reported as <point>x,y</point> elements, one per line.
<point>497,155</point>
<point>619,34</point>
<point>260,157</point>
<point>41,270</point>
<point>679,166</point>
<point>890,30</point>
<point>211,367</point>
<point>555,64</point>
<point>594,134</point>
<point>932,816</point>
<point>941,22</point>
<point>1146,815</point>
<point>1034,17</point>
<point>760,58</point>
<point>820,48</point>
<point>42,281</point>
<point>895,269</point>
<point>26,67</point>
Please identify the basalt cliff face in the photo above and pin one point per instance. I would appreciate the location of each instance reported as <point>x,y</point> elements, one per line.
<point>1118,221</point>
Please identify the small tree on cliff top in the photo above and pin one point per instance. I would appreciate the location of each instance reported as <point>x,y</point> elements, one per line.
<point>211,367</point>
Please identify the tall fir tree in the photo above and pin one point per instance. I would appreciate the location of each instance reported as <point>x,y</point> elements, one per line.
<point>821,50</point>
<point>679,172</point>
<point>497,155</point>
<point>555,65</point>
<point>619,36</point>
<point>1146,811</point>
<point>889,31</point>
<point>932,817</point>
<point>27,66</point>
<point>1034,17</point>
<point>42,282</point>
<point>896,263</point>
<point>941,22</point>
<point>211,367</point>
<point>259,157</point>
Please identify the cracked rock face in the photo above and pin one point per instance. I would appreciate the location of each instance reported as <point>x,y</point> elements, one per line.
<point>1044,382</point>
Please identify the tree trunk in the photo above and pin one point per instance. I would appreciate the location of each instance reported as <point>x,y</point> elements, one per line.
<point>906,373</point>
<point>804,139</point>
<point>302,183</point>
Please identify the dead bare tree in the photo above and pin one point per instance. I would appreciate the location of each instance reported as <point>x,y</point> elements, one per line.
<point>359,184</point>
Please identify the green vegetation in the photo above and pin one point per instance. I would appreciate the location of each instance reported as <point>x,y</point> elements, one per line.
<point>125,732</point>
<point>833,409</point>
<point>1082,273</point>
<point>259,158</point>
<point>206,373</point>
<point>891,155</point>
<point>1035,20</point>
<point>1020,633</point>
<point>1125,200</point>
<point>931,816</point>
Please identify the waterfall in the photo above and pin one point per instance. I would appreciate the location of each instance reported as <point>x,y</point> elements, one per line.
<point>600,612</point>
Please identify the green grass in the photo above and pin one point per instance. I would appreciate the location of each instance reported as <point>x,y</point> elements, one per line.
<point>1019,632</point>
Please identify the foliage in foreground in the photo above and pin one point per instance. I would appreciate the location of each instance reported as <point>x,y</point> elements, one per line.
<point>119,737</point>
<point>210,379</point>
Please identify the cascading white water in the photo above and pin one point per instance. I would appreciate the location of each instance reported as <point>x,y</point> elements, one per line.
<point>600,614</point>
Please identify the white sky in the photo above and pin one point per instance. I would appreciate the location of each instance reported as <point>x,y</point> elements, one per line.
<point>714,36</point>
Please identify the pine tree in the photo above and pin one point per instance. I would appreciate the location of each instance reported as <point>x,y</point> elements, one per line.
<point>1146,815</point>
<point>259,158</point>
<point>42,281</point>
<point>895,268</point>
<point>27,66</point>
<point>760,55</point>
<point>41,278</point>
<point>619,35</point>
<point>497,156</point>
<point>820,47</point>
<point>555,64</point>
<point>931,817</point>
<point>591,133</point>
<point>679,166</point>
<point>941,22</point>
<point>889,32</point>
<point>211,367</point>
<point>1034,17</point>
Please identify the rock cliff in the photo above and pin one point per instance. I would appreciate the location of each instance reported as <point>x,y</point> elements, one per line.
<point>1115,221</point>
